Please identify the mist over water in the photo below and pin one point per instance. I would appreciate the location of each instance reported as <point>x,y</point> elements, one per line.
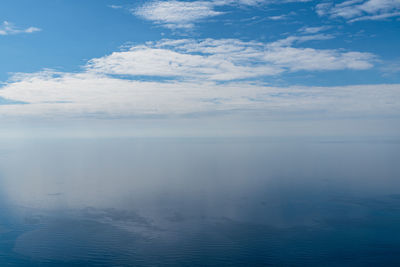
<point>200,201</point>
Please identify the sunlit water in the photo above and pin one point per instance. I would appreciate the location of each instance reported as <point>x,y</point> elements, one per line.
<point>200,202</point>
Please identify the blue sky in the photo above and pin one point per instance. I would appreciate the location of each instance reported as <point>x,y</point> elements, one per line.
<point>250,59</point>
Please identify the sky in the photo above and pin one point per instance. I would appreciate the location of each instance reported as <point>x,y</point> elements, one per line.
<point>209,67</point>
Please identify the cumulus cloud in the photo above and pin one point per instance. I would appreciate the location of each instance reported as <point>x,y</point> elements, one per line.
<point>356,10</point>
<point>226,59</point>
<point>8,28</point>
<point>220,60</point>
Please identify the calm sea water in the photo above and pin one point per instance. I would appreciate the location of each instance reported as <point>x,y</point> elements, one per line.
<point>200,202</point>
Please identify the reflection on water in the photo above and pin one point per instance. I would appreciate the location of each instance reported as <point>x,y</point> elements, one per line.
<point>208,202</point>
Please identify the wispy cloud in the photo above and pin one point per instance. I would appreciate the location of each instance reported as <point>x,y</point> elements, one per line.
<point>176,14</point>
<point>279,17</point>
<point>288,41</point>
<point>356,10</point>
<point>391,68</point>
<point>8,28</point>
<point>313,30</point>
<point>115,6</point>
<point>183,14</point>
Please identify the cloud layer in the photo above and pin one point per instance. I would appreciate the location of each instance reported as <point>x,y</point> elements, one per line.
<point>51,94</point>
<point>207,76</point>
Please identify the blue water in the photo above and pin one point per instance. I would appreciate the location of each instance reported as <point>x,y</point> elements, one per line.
<point>200,202</point>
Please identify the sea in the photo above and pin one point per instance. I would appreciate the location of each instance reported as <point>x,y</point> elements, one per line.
<point>200,201</point>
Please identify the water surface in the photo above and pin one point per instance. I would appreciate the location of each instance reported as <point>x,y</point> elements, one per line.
<point>200,202</point>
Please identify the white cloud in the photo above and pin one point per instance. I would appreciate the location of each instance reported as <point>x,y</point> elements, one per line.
<point>8,28</point>
<point>355,10</point>
<point>377,17</point>
<point>183,14</point>
<point>176,14</point>
<point>221,60</point>
<point>86,94</point>
<point>309,59</point>
<point>301,39</point>
<point>115,6</point>
<point>226,59</point>
<point>99,90</point>
<point>313,30</point>
<point>279,17</point>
